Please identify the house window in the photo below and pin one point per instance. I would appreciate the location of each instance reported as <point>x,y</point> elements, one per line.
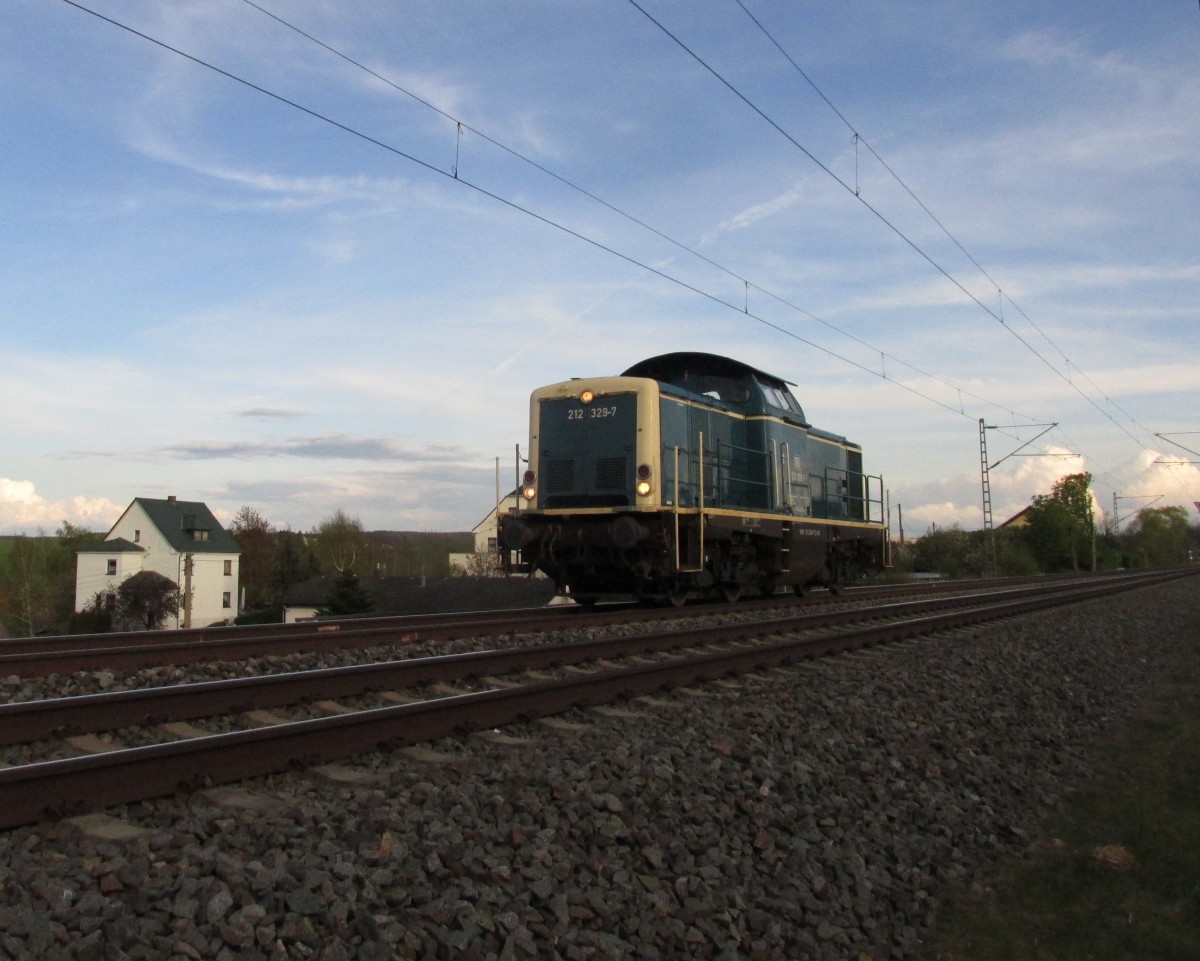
<point>199,535</point>
<point>229,568</point>
<point>112,565</point>
<point>137,537</point>
<point>225,599</point>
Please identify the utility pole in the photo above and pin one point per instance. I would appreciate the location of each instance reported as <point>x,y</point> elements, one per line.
<point>187,590</point>
<point>1152,498</point>
<point>989,536</point>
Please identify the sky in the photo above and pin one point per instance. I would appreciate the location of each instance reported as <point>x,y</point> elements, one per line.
<point>315,256</point>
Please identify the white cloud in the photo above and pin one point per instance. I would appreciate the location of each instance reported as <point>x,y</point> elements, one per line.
<point>24,510</point>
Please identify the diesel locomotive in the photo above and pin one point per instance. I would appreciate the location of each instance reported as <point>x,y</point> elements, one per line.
<point>689,475</point>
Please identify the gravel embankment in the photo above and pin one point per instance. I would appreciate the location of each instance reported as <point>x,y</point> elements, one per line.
<point>818,813</point>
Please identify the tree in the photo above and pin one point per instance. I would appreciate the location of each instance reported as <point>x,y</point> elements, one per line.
<point>347,597</point>
<point>480,564</point>
<point>949,551</point>
<point>69,539</point>
<point>96,616</point>
<point>256,540</point>
<point>28,584</point>
<point>1062,525</point>
<point>37,580</point>
<point>341,543</point>
<point>294,561</point>
<point>1160,535</point>
<point>145,600</point>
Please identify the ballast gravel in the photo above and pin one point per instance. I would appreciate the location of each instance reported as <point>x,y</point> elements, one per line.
<point>817,812</point>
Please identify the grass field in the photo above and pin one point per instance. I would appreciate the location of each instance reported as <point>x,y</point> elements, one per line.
<point>1117,874</point>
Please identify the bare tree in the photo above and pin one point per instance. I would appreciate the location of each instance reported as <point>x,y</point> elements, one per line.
<point>341,543</point>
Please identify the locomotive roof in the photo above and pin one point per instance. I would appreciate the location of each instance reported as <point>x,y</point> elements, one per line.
<point>724,380</point>
<point>668,367</point>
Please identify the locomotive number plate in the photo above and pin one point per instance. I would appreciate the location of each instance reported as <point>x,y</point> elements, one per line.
<point>591,413</point>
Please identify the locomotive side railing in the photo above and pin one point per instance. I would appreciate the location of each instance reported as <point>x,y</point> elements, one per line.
<point>849,495</point>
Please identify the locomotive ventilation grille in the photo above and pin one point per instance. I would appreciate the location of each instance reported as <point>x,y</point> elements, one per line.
<point>609,482</point>
<point>560,477</point>
<point>611,473</point>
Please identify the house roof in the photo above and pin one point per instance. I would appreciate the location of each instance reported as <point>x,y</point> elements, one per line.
<point>118,545</point>
<point>180,522</point>
<point>512,495</point>
<point>1019,519</point>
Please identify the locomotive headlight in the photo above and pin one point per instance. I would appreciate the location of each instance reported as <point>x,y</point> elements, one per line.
<point>529,485</point>
<point>643,486</point>
<point>587,397</point>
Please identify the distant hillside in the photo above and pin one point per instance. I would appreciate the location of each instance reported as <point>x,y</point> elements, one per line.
<point>454,542</point>
<point>414,552</point>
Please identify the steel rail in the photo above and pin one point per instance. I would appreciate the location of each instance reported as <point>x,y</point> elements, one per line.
<point>427,624</point>
<point>176,651</point>
<point>61,787</point>
<point>26,721</point>
<point>205,635</point>
<point>135,651</point>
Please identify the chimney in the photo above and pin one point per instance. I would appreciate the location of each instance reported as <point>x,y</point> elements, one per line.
<point>171,498</point>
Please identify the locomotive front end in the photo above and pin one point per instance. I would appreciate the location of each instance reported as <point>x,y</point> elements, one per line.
<point>594,466</point>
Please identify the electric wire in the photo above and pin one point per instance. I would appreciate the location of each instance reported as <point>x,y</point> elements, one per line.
<point>859,138</point>
<point>888,223</point>
<point>461,124</point>
<point>433,168</point>
<point>454,174</point>
<point>941,226</point>
<point>878,214</point>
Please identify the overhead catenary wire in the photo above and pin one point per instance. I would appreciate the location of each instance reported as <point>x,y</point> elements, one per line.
<point>745,282</point>
<point>853,190</point>
<point>1002,296</point>
<point>456,174</point>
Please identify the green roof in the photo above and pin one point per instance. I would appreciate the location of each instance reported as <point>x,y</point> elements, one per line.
<point>189,526</point>
<point>118,545</point>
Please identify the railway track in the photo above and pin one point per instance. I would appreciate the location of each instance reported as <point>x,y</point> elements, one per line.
<point>136,650</point>
<point>511,686</point>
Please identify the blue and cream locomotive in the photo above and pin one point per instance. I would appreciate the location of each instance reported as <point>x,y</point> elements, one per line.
<point>689,475</point>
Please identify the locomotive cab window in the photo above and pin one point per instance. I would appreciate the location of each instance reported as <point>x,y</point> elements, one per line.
<point>781,399</point>
<point>725,389</point>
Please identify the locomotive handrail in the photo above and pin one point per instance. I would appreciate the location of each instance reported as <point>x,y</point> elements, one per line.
<point>729,476</point>
<point>675,510</point>
<point>789,497</point>
<point>700,555</point>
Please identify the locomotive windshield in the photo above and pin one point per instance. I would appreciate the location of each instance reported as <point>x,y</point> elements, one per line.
<point>779,397</point>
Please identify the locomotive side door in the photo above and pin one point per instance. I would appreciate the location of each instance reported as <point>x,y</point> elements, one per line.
<point>793,493</point>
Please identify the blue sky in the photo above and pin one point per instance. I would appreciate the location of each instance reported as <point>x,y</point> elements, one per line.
<point>208,292</point>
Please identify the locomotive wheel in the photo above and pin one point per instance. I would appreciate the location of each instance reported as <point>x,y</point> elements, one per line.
<point>677,598</point>
<point>731,592</point>
<point>799,590</point>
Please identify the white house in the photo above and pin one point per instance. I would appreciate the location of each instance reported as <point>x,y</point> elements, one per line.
<point>180,540</point>
<point>487,549</point>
